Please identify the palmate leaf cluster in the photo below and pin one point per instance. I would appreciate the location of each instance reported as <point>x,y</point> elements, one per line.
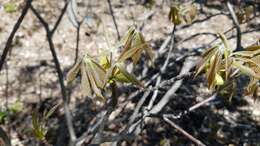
<point>244,14</point>
<point>222,64</point>
<point>182,14</point>
<point>97,72</point>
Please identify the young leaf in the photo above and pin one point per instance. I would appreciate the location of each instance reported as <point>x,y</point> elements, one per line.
<point>246,70</point>
<point>10,7</point>
<point>50,112</point>
<point>130,78</point>
<point>174,15</point>
<point>98,73</point>
<point>219,80</point>
<point>190,14</point>
<point>38,128</point>
<point>224,41</point>
<point>205,59</point>
<point>213,70</point>
<point>130,53</point>
<point>85,83</point>
<point>73,72</point>
<point>127,39</point>
<point>94,87</point>
<point>16,106</point>
<point>105,62</point>
<point>148,49</point>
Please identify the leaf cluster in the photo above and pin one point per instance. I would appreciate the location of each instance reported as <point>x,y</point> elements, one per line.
<point>182,14</point>
<point>10,7</point>
<point>39,122</point>
<point>244,14</point>
<point>99,71</point>
<point>12,110</point>
<point>222,64</point>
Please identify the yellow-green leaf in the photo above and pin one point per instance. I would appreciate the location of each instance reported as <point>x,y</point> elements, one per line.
<point>245,69</point>
<point>127,75</point>
<point>213,69</point>
<point>205,59</point>
<point>10,7</point>
<point>85,83</point>
<point>105,62</point>
<point>98,73</point>
<point>51,111</point>
<point>219,80</point>
<point>94,87</point>
<point>174,15</point>
<point>224,41</point>
<point>73,72</point>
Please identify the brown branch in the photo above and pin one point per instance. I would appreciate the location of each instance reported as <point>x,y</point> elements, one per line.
<point>8,44</point>
<point>182,131</point>
<point>113,17</point>
<point>163,69</point>
<point>77,44</point>
<point>188,65</point>
<point>49,35</point>
<point>235,22</point>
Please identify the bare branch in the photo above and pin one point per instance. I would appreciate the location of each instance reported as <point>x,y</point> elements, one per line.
<point>14,30</point>
<point>188,65</point>
<point>49,34</point>
<point>235,21</point>
<point>163,69</point>
<point>182,131</point>
<point>113,17</point>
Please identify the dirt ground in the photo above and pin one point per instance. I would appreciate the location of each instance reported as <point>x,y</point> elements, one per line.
<point>29,75</point>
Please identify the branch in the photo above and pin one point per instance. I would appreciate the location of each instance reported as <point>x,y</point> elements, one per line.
<point>192,108</point>
<point>112,105</point>
<point>77,44</point>
<point>8,44</point>
<point>182,131</point>
<point>235,21</point>
<point>163,69</point>
<point>188,65</point>
<point>59,19</point>
<point>113,17</point>
<point>138,107</point>
<point>49,34</point>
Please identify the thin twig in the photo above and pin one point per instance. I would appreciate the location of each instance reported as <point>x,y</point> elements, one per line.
<point>49,35</point>
<point>112,105</point>
<point>113,17</point>
<point>77,44</point>
<point>192,108</point>
<point>182,131</point>
<point>8,44</point>
<point>138,107</point>
<point>163,69</point>
<point>188,65</point>
<point>235,21</point>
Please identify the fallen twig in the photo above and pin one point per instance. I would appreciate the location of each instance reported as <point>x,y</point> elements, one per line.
<point>182,131</point>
